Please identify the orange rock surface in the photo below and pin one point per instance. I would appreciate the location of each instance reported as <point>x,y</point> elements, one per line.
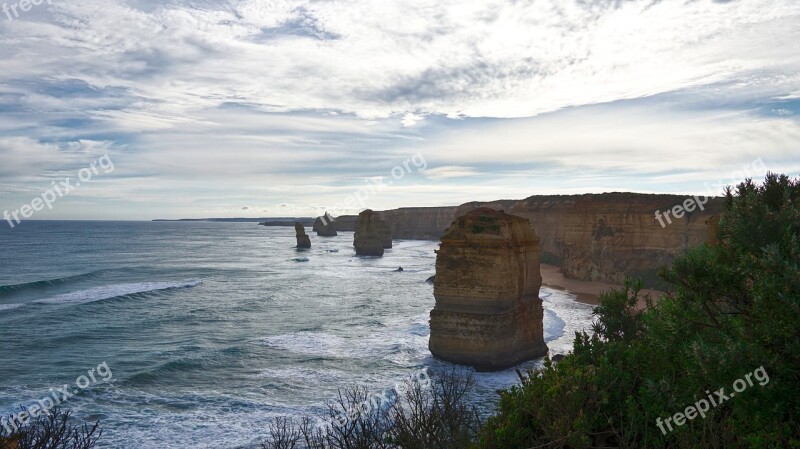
<point>488,313</point>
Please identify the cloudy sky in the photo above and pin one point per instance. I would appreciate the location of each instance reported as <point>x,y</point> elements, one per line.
<point>285,108</point>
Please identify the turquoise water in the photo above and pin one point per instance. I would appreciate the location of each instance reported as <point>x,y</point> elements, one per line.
<point>209,330</point>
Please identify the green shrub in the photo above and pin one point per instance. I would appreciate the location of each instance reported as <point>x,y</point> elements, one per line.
<point>735,307</point>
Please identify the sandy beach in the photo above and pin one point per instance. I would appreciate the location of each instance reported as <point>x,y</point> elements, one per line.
<point>585,291</point>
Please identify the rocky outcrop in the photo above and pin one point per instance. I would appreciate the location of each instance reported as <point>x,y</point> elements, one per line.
<point>368,238</point>
<point>303,240</point>
<point>488,313</point>
<point>324,226</point>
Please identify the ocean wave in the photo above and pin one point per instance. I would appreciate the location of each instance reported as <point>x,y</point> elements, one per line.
<point>10,306</point>
<point>114,291</point>
<point>553,325</point>
<point>48,282</point>
<point>309,343</point>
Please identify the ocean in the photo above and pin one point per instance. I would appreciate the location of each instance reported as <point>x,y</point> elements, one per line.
<point>197,334</point>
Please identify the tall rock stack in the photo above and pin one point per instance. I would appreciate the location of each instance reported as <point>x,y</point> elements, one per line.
<point>488,313</point>
<point>303,240</point>
<point>368,239</point>
<point>324,226</point>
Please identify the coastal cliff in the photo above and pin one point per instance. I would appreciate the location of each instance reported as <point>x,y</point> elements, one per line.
<point>409,223</point>
<point>606,237</point>
<point>594,237</point>
<point>488,313</point>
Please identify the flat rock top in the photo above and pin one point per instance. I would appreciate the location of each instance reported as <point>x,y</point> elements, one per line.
<point>489,224</point>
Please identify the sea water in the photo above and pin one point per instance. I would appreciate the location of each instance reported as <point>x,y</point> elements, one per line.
<point>209,330</point>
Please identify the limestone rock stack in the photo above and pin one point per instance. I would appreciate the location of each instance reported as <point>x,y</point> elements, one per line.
<point>303,240</point>
<point>488,313</point>
<point>368,239</point>
<point>324,226</point>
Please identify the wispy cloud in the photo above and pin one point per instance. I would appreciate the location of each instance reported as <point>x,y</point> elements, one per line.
<point>222,99</point>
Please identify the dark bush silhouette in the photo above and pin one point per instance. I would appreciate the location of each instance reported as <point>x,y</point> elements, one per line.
<point>434,416</point>
<point>50,430</point>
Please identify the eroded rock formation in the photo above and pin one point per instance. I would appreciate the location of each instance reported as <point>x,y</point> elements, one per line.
<point>303,240</point>
<point>324,226</point>
<point>603,237</point>
<point>488,313</point>
<point>368,238</point>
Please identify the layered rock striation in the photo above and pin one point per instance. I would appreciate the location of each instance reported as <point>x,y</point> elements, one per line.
<point>593,237</point>
<point>488,314</point>
<point>324,226</point>
<point>303,240</point>
<point>369,239</point>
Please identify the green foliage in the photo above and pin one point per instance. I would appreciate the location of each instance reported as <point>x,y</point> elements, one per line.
<point>486,224</point>
<point>734,307</point>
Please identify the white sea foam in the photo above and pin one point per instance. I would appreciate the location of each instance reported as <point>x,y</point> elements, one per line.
<point>116,290</point>
<point>10,306</point>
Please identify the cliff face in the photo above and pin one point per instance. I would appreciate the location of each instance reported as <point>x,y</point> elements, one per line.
<point>385,233</point>
<point>604,237</point>
<point>488,313</point>
<point>368,238</point>
<point>410,223</point>
<point>601,237</point>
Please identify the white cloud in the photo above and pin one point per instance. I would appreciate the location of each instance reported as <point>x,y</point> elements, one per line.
<point>450,171</point>
<point>296,102</point>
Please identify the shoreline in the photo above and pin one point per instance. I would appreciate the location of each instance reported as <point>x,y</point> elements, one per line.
<point>586,292</point>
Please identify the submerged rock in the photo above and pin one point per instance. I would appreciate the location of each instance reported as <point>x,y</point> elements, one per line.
<point>488,314</point>
<point>367,238</point>
<point>324,226</point>
<point>303,240</point>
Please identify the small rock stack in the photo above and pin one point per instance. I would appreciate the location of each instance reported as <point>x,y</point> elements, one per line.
<point>488,314</point>
<point>324,226</point>
<point>303,240</point>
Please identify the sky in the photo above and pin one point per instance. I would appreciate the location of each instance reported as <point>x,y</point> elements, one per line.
<point>136,110</point>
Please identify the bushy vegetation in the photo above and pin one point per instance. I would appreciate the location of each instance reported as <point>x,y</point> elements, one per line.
<point>432,415</point>
<point>734,307</point>
<point>50,430</point>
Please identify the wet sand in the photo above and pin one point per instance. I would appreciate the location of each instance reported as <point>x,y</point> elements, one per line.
<point>585,291</point>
